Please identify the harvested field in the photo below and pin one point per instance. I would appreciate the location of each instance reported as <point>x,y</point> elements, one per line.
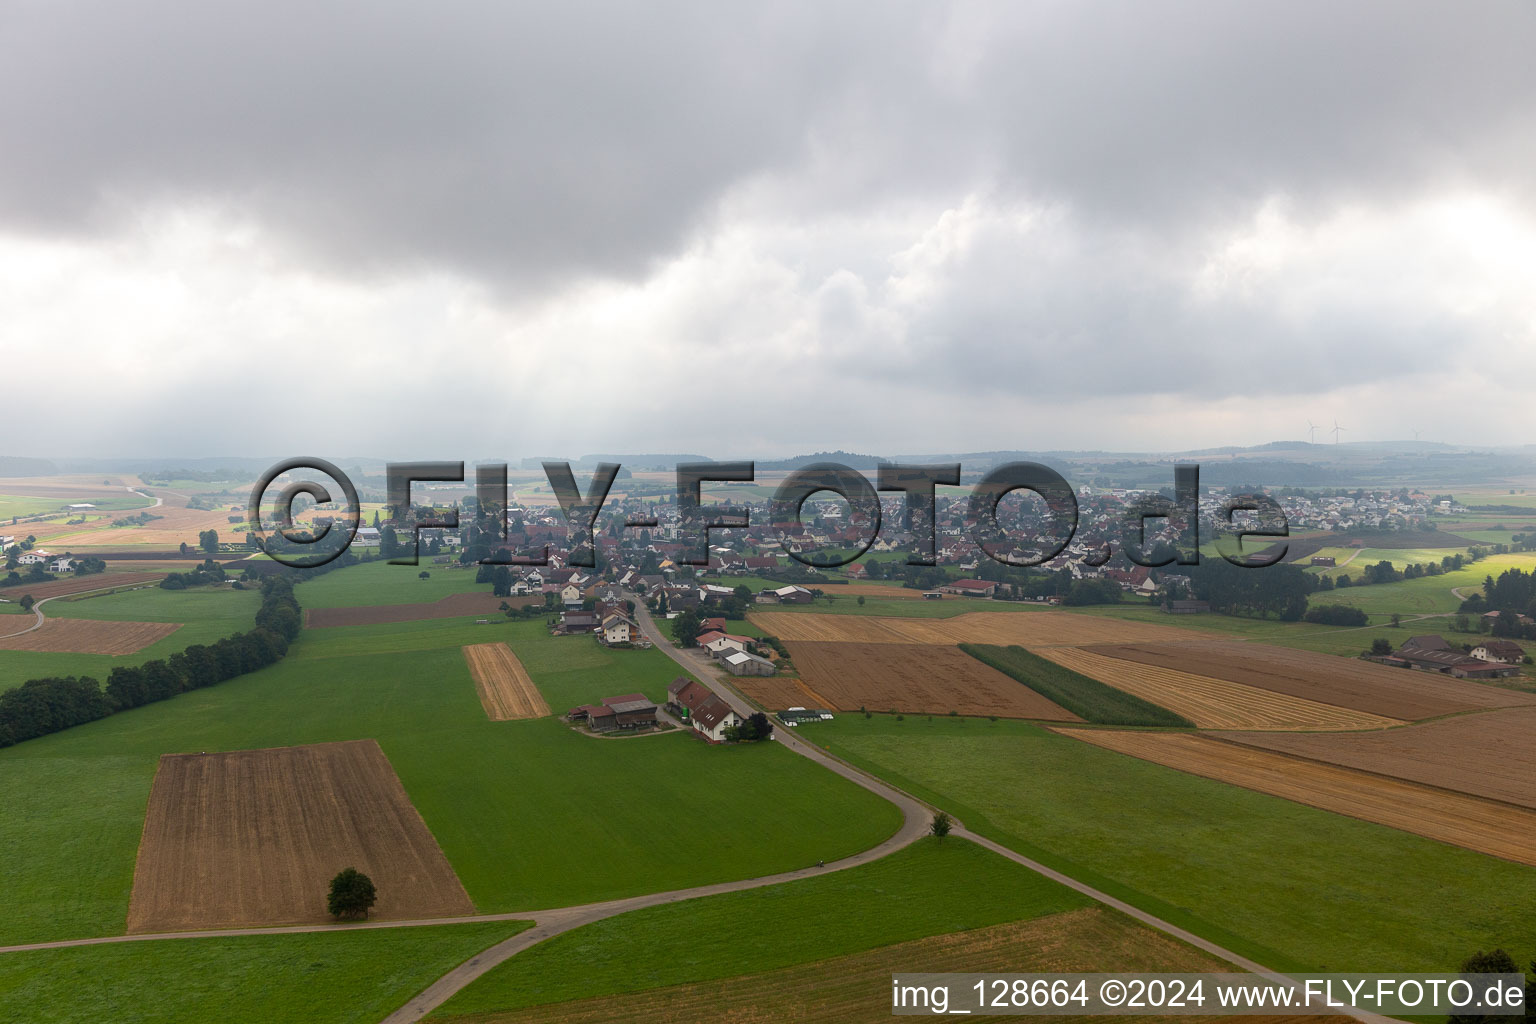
<point>79,584</point>
<point>1491,755</point>
<point>89,636</point>
<point>1485,826</point>
<point>916,679</point>
<point>855,989</point>
<point>1034,629</point>
<point>505,690</point>
<point>777,692</point>
<point>872,590</point>
<point>452,606</point>
<point>253,838</point>
<point>1347,682</point>
<point>1213,703</point>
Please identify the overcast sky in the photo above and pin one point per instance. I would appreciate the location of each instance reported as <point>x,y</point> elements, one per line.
<point>487,230</point>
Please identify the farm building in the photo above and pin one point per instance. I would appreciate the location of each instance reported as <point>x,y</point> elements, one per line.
<point>1327,561</point>
<point>709,715</point>
<point>1186,607</point>
<point>740,663</point>
<point>61,565</point>
<point>1426,642</point>
<point>578,622</point>
<point>367,537</point>
<point>628,711</point>
<point>970,588</point>
<point>785,595</point>
<point>1503,652</point>
<point>933,595</point>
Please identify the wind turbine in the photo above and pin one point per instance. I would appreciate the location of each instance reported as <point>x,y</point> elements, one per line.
<point>1416,434</point>
<point>1336,429</point>
<point>1312,432</point>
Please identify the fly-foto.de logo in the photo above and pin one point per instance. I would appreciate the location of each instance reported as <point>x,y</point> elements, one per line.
<point>1027,540</point>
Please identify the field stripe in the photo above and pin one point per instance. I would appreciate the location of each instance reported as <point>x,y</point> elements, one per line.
<point>1500,830</point>
<point>506,691</point>
<point>1213,703</point>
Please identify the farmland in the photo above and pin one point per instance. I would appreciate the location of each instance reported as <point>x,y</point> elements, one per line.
<point>837,990</point>
<point>1346,682</point>
<point>1488,755</point>
<point>1482,825</point>
<point>615,819</point>
<point>79,584</point>
<point>779,692</point>
<point>502,683</point>
<point>927,889</point>
<point>916,679</point>
<point>252,838</point>
<point>452,606</point>
<point>347,976</point>
<point>1032,629</point>
<point>89,636</point>
<point>204,614</point>
<point>1213,703</point>
<point>1289,885</point>
<point>1088,698</point>
<point>379,583</point>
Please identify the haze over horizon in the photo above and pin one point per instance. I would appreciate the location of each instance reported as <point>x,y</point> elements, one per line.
<point>465,231</point>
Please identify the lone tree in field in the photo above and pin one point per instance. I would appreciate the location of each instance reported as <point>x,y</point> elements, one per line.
<point>941,825</point>
<point>352,893</point>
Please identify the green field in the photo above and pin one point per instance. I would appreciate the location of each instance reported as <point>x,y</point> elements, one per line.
<point>349,976</point>
<point>378,582</point>
<point>1292,887</point>
<point>530,814</point>
<point>931,888</point>
<point>1088,699</point>
<point>207,614</point>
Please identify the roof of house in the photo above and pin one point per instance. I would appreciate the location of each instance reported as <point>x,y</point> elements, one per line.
<point>626,707</point>
<point>625,698</point>
<point>1426,642</point>
<point>711,711</point>
<point>706,638</point>
<point>1503,647</point>
<point>972,585</point>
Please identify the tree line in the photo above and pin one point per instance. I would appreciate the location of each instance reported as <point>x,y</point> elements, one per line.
<point>42,706</point>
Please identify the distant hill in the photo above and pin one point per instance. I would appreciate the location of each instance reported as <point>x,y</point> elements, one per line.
<point>17,465</point>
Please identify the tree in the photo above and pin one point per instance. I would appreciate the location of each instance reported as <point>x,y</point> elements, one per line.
<point>941,826</point>
<point>1397,620</point>
<point>1381,647</point>
<point>26,603</point>
<point>423,575</point>
<point>352,893</point>
<point>861,600</point>
<point>1496,962</point>
<point>208,540</point>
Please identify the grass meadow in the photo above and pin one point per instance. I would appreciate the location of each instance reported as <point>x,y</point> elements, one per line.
<point>1293,887</point>
<point>931,888</point>
<point>349,976</point>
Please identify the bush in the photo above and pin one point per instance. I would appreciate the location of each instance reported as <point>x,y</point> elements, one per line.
<point>1337,615</point>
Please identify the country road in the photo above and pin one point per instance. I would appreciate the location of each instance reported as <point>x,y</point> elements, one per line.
<point>916,817</point>
<point>37,609</point>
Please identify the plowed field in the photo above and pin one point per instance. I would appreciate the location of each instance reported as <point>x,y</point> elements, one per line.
<point>916,679</point>
<point>88,636</point>
<point>253,837</point>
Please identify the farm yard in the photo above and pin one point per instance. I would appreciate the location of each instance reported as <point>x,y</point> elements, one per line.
<point>916,679</point>
<point>1497,829</point>
<point>87,636</point>
<point>252,837</point>
<point>1489,755</point>
<point>505,690</point>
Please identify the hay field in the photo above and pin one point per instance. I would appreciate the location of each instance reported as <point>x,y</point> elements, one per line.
<point>89,636</point>
<point>1032,629</point>
<point>1485,826</point>
<point>1213,703</point>
<point>1491,755</point>
<point>253,837</point>
<point>929,679</point>
<point>777,693</point>
<point>1347,682</point>
<point>506,692</point>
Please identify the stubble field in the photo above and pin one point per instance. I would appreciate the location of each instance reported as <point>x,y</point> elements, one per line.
<point>253,837</point>
<point>89,636</point>
<point>505,690</point>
